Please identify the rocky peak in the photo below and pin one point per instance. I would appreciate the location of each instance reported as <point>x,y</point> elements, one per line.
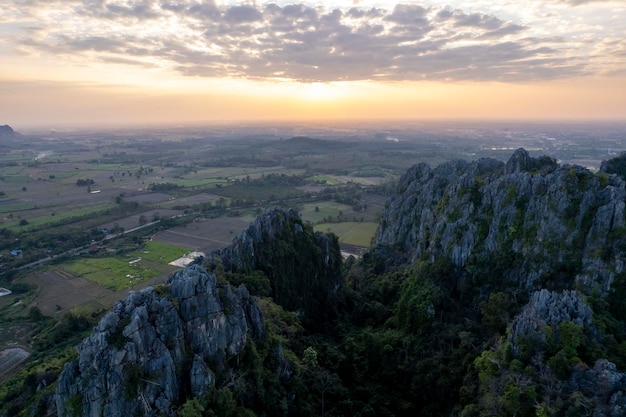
<point>520,161</point>
<point>530,219</point>
<point>157,346</point>
<point>303,266</point>
<point>548,309</point>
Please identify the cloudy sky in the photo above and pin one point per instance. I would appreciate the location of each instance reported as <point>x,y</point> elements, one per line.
<point>181,61</point>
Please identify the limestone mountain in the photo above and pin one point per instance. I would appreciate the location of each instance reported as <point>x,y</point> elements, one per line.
<point>534,223</point>
<point>528,244</point>
<point>303,268</point>
<point>492,289</point>
<point>156,347</point>
<point>163,345</point>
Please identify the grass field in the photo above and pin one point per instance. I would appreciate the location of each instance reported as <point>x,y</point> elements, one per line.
<point>61,175</point>
<point>326,209</point>
<point>161,252</point>
<point>16,205</point>
<point>198,182</point>
<point>325,179</point>
<point>112,273</point>
<point>49,219</point>
<point>17,179</point>
<point>352,233</point>
<point>116,273</point>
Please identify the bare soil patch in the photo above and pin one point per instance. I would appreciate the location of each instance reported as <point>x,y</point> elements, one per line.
<point>148,198</point>
<point>199,198</point>
<point>206,235</point>
<point>60,290</point>
<point>133,221</point>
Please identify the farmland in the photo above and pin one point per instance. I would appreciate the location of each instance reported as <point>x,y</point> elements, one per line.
<point>351,233</point>
<point>86,216</point>
<point>77,190</point>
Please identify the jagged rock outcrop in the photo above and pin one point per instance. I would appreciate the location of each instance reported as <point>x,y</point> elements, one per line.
<point>545,311</point>
<point>157,346</point>
<point>303,267</point>
<point>530,219</point>
<point>603,386</point>
<point>539,246</point>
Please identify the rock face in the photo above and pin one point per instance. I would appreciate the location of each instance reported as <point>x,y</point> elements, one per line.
<point>604,385</point>
<point>303,266</point>
<point>554,235</point>
<point>157,346</point>
<point>546,310</point>
<point>531,219</point>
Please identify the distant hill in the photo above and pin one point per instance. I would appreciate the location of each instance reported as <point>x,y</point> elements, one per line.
<point>7,130</point>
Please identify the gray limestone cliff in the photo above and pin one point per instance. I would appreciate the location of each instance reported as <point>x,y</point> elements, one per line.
<point>303,266</point>
<point>531,219</point>
<point>552,235</point>
<point>158,345</point>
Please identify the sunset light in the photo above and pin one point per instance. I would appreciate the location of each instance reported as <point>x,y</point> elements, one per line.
<point>128,60</point>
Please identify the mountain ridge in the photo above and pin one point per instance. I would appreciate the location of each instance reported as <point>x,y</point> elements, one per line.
<point>473,210</point>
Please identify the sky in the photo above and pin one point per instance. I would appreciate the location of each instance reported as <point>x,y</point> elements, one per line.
<point>151,62</point>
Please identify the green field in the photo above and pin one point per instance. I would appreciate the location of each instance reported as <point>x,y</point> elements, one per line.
<point>60,175</point>
<point>198,182</point>
<point>17,206</point>
<point>352,233</point>
<point>48,219</point>
<point>160,252</point>
<point>324,179</point>
<point>111,167</point>
<point>326,209</point>
<point>17,179</point>
<point>116,274</point>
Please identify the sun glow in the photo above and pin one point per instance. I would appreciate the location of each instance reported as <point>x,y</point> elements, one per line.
<point>318,92</point>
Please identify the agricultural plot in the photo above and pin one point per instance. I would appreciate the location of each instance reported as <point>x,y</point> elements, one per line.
<point>205,236</point>
<point>39,220</point>
<point>17,179</point>
<point>161,252</point>
<point>263,193</point>
<point>325,179</point>
<point>133,221</point>
<point>329,211</point>
<point>148,198</point>
<point>352,233</point>
<point>116,274</point>
<point>15,333</point>
<point>323,210</point>
<point>198,198</point>
<point>111,273</point>
<point>60,290</point>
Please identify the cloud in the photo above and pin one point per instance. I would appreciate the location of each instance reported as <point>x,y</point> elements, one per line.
<point>579,2</point>
<point>300,42</point>
<point>242,14</point>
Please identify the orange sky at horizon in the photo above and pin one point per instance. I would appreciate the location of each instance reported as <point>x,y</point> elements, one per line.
<point>129,105</point>
<point>121,64</point>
